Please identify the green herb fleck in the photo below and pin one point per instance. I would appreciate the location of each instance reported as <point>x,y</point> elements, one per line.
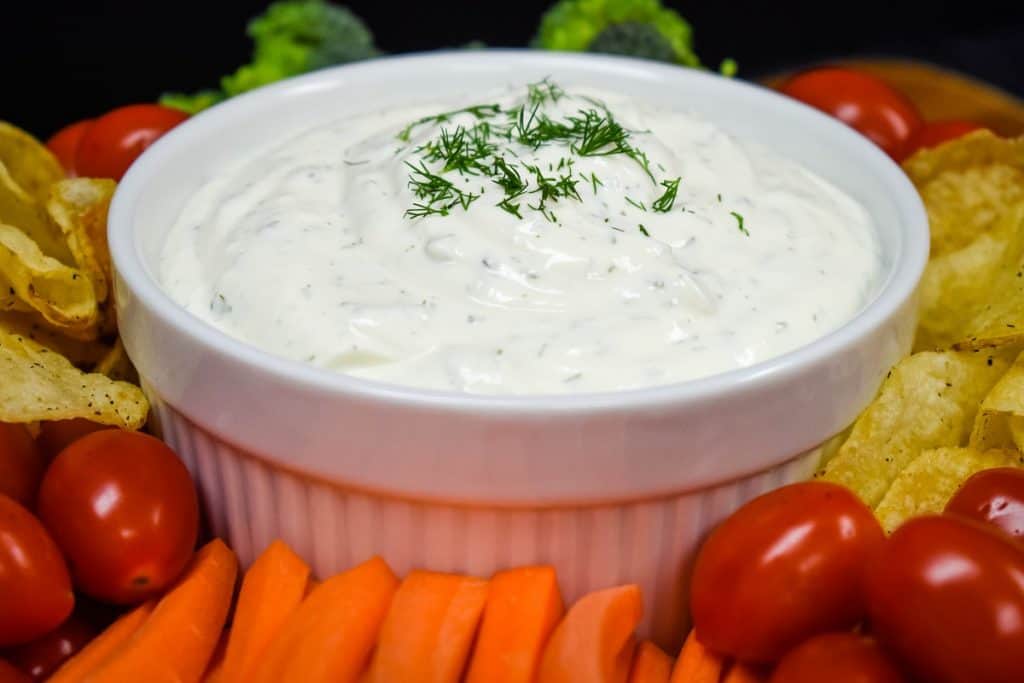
<point>644,230</point>
<point>663,204</point>
<point>739,221</point>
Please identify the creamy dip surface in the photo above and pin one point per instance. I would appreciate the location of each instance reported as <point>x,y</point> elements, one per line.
<point>539,241</point>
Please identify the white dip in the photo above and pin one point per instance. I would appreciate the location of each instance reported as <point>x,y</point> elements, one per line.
<point>314,248</point>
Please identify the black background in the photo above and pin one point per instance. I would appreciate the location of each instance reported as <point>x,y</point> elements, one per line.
<point>67,60</point>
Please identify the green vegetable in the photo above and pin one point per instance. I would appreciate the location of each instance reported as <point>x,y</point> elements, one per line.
<point>290,38</point>
<point>641,28</point>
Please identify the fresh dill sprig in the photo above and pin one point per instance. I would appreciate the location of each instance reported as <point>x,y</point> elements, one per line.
<point>542,92</point>
<point>480,111</point>
<point>739,222</point>
<point>663,204</point>
<point>440,194</point>
<point>639,205</point>
<point>644,230</point>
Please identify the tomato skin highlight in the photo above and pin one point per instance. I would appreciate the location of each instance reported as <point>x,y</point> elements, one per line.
<point>34,580</point>
<point>784,567</point>
<point>995,497</point>
<point>116,139</point>
<point>837,658</point>
<point>55,436</point>
<point>123,509</point>
<point>43,656</point>
<point>64,144</point>
<point>946,596</point>
<point>934,133</point>
<point>21,464</point>
<point>863,102</point>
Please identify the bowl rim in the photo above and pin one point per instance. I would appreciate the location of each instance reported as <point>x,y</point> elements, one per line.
<point>127,261</point>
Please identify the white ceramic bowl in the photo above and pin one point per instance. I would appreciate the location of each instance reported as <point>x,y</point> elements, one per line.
<point>610,487</point>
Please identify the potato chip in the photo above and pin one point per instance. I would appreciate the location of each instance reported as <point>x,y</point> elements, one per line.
<point>79,206</point>
<point>22,211</point>
<point>117,365</point>
<point>82,354</point>
<point>928,400</point>
<point>32,166</point>
<point>926,485</point>
<point>39,384</point>
<point>967,185</point>
<point>1001,411</point>
<point>62,295</point>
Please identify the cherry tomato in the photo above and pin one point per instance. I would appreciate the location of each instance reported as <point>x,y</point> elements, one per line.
<point>35,590</point>
<point>11,674</point>
<point>861,101</point>
<point>21,464</point>
<point>837,658</point>
<point>57,435</point>
<point>935,133</point>
<point>43,656</point>
<point>784,567</point>
<point>946,596</point>
<point>122,507</point>
<point>117,138</point>
<point>64,144</point>
<point>995,497</point>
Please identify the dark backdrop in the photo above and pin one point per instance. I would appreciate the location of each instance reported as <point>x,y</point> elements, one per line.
<point>66,60</point>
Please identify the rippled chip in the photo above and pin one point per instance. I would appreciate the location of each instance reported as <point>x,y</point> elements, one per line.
<point>927,484</point>
<point>63,296</point>
<point>79,206</point>
<point>115,364</point>
<point>38,384</point>
<point>24,212</point>
<point>82,353</point>
<point>929,400</point>
<point>31,165</point>
<point>972,294</point>
<point>1000,420</point>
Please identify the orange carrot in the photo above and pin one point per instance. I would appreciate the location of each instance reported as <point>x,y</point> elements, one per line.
<point>696,664</point>
<point>742,673</point>
<point>650,664</point>
<point>12,674</point>
<point>523,607</point>
<point>332,633</point>
<point>273,587</point>
<point>215,669</point>
<point>101,647</point>
<point>595,641</point>
<point>429,629</point>
<point>175,644</point>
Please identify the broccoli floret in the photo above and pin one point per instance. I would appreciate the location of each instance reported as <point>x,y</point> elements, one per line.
<point>582,25</point>
<point>290,38</point>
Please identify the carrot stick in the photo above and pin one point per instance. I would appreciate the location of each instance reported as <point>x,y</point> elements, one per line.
<point>101,647</point>
<point>332,633</point>
<point>743,673</point>
<point>429,630</point>
<point>175,643</point>
<point>12,674</point>
<point>523,607</point>
<point>272,589</point>
<point>215,669</point>
<point>650,664</point>
<point>696,664</point>
<point>594,641</point>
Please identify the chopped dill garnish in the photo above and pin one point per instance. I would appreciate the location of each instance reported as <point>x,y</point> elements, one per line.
<point>663,204</point>
<point>595,181</point>
<point>440,194</point>
<point>480,111</point>
<point>739,222</point>
<point>644,230</point>
<point>719,197</point>
<point>544,91</point>
<point>639,205</point>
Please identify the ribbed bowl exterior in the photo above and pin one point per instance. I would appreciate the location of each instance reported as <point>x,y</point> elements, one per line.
<point>251,502</point>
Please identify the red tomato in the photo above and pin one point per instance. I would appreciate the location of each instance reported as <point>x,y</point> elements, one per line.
<point>11,674</point>
<point>946,595</point>
<point>64,144</point>
<point>935,133</point>
<point>784,567</point>
<point>122,507</point>
<point>993,496</point>
<point>837,658</point>
<point>34,583</point>
<point>21,464</point>
<point>861,101</point>
<point>57,435</point>
<point>43,656</point>
<point>117,138</point>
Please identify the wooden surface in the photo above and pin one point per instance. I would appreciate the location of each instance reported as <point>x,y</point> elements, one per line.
<point>942,94</point>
